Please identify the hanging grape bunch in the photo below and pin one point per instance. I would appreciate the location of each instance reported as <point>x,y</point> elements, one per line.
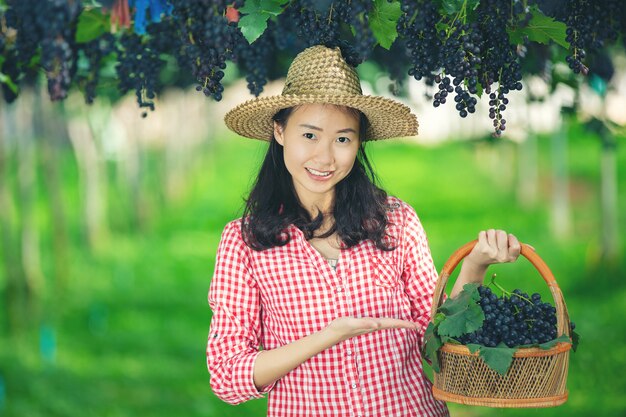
<point>463,49</point>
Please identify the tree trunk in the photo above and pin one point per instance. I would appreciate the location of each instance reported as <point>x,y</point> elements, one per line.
<point>51,160</point>
<point>27,180</point>
<point>10,254</point>
<point>528,172</point>
<point>89,165</point>
<point>610,242</point>
<point>561,216</point>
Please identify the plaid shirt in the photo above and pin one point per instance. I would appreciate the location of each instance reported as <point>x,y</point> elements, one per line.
<point>273,297</point>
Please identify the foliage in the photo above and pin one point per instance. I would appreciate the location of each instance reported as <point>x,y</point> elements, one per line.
<point>467,47</point>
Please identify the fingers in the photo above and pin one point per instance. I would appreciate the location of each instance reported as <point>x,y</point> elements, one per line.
<point>514,247</point>
<point>390,323</point>
<point>497,246</point>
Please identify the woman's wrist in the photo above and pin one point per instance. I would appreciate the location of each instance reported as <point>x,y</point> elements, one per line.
<point>472,272</point>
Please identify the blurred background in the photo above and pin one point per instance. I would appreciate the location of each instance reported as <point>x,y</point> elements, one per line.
<point>110,220</point>
<point>110,223</point>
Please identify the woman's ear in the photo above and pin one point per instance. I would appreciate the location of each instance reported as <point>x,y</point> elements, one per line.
<point>278,133</point>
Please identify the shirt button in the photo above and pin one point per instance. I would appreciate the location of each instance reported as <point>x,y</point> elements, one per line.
<point>349,352</point>
<point>339,289</point>
<point>353,385</point>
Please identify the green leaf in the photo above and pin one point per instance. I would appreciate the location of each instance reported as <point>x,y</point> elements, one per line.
<point>383,20</point>
<point>469,295</point>
<point>465,321</point>
<point>550,344</point>
<point>5,79</point>
<point>91,24</point>
<point>455,6</point>
<point>253,25</point>
<point>462,314</point>
<point>575,340</point>
<point>257,13</point>
<point>473,348</point>
<point>432,343</point>
<point>498,358</point>
<point>541,29</point>
<point>268,7</point>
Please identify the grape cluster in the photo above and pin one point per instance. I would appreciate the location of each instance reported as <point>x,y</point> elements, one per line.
<point>94,52</point>
<point>255,60</point>
<point>208,40</point>
<point>316,25</point>
<point>589,25</point>
<point>50,27</point>
<point>417,27</point>
<point>515,320</point>
<point>138,69</point>
<point>499,59</point>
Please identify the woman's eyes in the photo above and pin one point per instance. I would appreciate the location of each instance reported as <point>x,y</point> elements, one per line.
<point>342,139</point>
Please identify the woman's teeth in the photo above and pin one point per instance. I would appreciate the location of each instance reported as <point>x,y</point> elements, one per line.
<point>319,173</point>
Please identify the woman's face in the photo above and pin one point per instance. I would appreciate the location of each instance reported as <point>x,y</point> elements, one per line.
<point>320,144</point>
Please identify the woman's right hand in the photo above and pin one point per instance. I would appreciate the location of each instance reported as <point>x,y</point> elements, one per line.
<point>344,328</point>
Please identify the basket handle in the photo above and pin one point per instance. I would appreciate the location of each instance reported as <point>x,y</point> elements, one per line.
<point>562,317</point>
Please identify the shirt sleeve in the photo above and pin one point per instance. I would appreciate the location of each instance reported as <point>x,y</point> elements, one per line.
<point>419,273</point>
<point>235,333</point>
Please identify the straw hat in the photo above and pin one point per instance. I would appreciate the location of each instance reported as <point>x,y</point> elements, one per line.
<point>321,75</point>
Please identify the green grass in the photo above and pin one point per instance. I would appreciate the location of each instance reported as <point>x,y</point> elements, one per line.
<point>132,326</point>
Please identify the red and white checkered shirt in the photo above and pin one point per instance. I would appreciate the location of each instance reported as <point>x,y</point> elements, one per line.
<point>273,297</point>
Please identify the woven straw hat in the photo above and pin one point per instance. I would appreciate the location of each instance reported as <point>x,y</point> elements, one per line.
<point>320,75</point>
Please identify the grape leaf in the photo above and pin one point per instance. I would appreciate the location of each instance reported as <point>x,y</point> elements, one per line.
<point>498,358</point>
<point>91,24</point>
<point>383,20</point>
<point>575,340</point>
<point>253,25</point>
<point>5,79</point>
<point>468,295</point>
<point>432,343</point>
<point>465,321</point>
<point>257,13</point>
<point>541,29</point>
<point>455,6</point>
<point>462,314</point>
<point>550,344</point>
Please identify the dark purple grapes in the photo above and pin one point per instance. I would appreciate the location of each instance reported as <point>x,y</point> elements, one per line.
<point>515,320</point>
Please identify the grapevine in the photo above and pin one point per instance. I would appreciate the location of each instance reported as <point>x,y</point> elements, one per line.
<point>467,50</point>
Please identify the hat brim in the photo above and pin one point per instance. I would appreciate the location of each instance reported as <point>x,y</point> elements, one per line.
<point>387,118</point>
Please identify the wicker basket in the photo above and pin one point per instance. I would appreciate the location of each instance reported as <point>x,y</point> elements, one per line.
<point>536,377</point>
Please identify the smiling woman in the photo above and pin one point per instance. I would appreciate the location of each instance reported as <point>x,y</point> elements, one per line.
<point>324,270</point>
<point>317,155</point>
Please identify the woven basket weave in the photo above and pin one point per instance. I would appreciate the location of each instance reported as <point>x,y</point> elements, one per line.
<point>536,378</point>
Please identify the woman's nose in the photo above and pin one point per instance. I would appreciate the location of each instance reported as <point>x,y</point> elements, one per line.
<point>324,153</point>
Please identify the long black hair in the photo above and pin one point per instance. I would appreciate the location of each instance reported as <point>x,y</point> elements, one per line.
<point>359,210</point>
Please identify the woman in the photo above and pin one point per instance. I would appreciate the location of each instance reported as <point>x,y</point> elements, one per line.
<point>324,271</point>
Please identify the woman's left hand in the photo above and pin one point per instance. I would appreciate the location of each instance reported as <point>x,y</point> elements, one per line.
<point>494,247</point>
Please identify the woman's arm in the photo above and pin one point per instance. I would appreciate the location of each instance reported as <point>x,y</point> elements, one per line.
<point>494,246</point>
<point>273,364</point>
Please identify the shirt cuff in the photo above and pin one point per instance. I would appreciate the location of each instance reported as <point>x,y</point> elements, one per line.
<point>245,384</point>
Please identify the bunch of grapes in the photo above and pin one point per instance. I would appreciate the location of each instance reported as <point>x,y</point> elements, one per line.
<point>138,69</point>
<point>417,27</point>
<point>589,25</point>
<point>48,26</point>
<point>317,25</point>
<point>208,40</point>
<point>94,52</point>
<point>516,319</point>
